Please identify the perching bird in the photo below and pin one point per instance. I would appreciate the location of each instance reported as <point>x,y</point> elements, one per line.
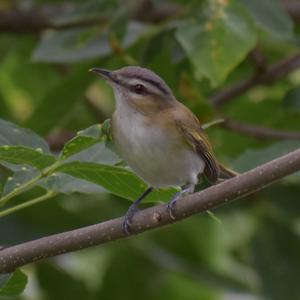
<point>160,138</point>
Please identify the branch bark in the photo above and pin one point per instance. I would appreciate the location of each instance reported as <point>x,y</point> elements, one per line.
<point>154,217</point>
<point>269,76</point>
<point>260,132</point>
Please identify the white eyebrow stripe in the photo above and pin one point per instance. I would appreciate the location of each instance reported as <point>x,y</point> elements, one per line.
<point>150,87</point>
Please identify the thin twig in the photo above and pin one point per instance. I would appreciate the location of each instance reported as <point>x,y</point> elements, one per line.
<point>154,217</point>
<point>26,204</point>
<point>271,75</point>
<point>38,19</point>
<point>261,132</point>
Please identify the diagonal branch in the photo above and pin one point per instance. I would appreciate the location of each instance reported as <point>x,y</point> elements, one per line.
<point>238,187</point>
<point>35,20</point>
<point>269,76</point>
<point>260,132</point>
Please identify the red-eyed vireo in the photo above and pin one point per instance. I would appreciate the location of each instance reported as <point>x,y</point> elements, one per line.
<point>159,137</point>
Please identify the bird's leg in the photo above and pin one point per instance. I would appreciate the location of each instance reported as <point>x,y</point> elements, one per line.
<point>133,208</point>
<point>185,190</point>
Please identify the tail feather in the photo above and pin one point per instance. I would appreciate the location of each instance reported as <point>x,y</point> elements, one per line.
<point>226,172</point>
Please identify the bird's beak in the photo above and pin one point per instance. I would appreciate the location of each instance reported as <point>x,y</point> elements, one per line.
<point>104,73</point>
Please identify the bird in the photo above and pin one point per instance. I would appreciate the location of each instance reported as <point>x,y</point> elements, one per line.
<point>160,139</point>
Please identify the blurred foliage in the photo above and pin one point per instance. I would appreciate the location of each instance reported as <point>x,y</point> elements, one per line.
<point>199,48</point>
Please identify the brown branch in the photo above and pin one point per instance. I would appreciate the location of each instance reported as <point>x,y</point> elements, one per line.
<point>258,59</point>
<point>260,132</point>
<point>271,75</point>
<point>293,8</point>
<point>154,217</point>
<point>36,20</point>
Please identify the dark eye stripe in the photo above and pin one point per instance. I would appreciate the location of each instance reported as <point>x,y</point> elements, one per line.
<point>154,83</point>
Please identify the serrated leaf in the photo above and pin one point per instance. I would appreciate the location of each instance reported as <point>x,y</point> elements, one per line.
<point>13,135</point>
<point>119,181</point>
<point>218,39</point>
<point>271,17</point>
<point>26,156</point>
<point>12,284</point>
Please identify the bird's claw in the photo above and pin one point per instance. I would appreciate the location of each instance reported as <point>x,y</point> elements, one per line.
<point>128,219</point>
<point>171,208</point>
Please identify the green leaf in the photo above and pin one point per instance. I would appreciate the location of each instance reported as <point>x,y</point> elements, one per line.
<point>13,135</point>
<point>83,140</point>
<point>20,176</point>
<point>92,144</point>
<point>26,156</point>
<point>66,184</point>
<point>218,39</point>
<point>86,11</point>
<point>12,284</point>
<point>291,100</point>
<point>58,102</point>
<point>271,17</point>
<point>117,180</point>
<point>72,45</point>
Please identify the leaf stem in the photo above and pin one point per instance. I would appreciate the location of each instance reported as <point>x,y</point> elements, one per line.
<point>39,199</point>
<point>18,190</point>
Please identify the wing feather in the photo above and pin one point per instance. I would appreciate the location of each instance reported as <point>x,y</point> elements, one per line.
<point>196,137</point>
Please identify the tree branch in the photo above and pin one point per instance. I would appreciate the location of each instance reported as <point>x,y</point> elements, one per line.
<point>154,217</point>
<point>38,19</point>
<point>260,132</point>
<point>269,76</point>
<point>293,8</point>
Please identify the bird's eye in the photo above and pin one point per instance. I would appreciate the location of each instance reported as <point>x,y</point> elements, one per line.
<point>139,89</point>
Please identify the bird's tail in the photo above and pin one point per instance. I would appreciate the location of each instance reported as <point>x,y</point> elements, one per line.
<point>226,172</point>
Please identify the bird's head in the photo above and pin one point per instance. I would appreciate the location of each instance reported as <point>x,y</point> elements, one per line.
<point>139,88</point>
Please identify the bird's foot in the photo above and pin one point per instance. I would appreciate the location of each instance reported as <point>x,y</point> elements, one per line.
<point>185,190</point>
<point>128,218</point>
<point>171,205</point>
<point>133,208</point>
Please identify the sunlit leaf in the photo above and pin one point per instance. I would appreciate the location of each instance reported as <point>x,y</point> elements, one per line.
<point>217,39</point>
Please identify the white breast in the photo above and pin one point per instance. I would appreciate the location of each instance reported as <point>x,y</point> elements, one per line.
<point>156,156</point>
